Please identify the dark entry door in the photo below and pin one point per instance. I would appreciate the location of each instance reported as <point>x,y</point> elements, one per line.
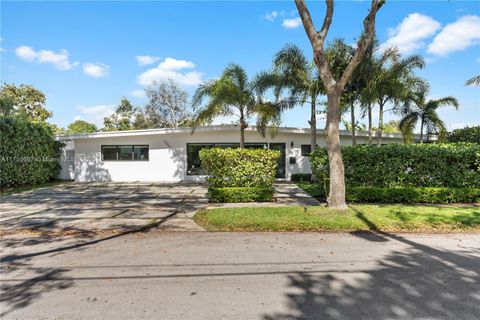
<point>281,161</point>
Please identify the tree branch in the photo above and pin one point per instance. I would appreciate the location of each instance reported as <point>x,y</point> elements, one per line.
<point>366,40</point>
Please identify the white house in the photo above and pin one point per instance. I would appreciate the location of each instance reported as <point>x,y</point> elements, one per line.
<point>171,154</point>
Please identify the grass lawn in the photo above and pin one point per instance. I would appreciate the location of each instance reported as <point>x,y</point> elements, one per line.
<point>31,187</point>
<point>394,218</point>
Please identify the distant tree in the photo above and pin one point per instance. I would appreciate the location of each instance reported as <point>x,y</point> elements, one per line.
<point>167,105</point>
<point>122,118</point>
<point>81,126</point>
<point>392,126</point>
<point>24,100</point>
<point>419,109</point>
<point>233,95</point>
<point>467,134</point>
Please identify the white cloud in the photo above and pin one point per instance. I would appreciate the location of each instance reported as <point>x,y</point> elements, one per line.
<point>171,68</point>
<point>456,36</point>
<point>138,93</point>
<point>410,34</point>
<point>291,23</point>
<point>271,16</point>
<point>58,59</point>
<point>96,70</point>
<point>95,114</point>
<point>146,60</point>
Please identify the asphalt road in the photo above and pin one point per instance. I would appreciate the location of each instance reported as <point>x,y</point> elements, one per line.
<point>242,276</point>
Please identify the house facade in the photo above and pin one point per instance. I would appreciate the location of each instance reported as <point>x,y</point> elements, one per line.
<point>171,154</point>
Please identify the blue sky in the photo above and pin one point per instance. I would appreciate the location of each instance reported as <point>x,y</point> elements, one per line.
<point>85,56</point>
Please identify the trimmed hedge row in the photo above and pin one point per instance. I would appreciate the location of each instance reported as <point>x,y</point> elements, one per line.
<point>400,165</point>
<point>413,195</point>
<point>28,152</point>
<point>239,175</point>
<point>240,194</point>
<point>467,134</point>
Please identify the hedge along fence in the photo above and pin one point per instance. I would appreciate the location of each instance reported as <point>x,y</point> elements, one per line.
<point>28,152</point>
<point>399,165</point>
<point>240,175</point>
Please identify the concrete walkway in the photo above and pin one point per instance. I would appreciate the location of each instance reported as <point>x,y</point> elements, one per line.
<point>91,207</point>
<point>185,276</point>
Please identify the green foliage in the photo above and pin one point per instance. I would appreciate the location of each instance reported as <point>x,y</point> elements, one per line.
<point>467,134</point>
<point>301,177</point>
<point>81,126</point>
<point>395,165</point>
<point>29,152</point>
<point>240,194</point>
<point>239,167</point>
<point>25,101</point>
<point>413,195</point>
<point>121,119</point>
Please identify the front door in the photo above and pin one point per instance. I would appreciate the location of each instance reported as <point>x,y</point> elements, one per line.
<point>280,173</point>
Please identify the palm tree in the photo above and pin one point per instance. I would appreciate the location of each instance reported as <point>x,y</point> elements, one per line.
<point>474,82</point>
<point>296,78</point>
<point>418,108</point>
<point>391,82</point>
<point>233,95</point>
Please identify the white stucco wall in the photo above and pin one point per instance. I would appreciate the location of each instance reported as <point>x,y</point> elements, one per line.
<point>167,154</point>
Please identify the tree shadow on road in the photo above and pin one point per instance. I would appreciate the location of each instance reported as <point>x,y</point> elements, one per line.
<point>416,282</point>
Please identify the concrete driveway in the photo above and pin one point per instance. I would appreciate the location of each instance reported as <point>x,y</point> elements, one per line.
<point>201,275</point>
<point>88,207</point>
<point>92,207</point>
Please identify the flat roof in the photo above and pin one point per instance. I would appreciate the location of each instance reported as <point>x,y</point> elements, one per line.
<point>213,128</point>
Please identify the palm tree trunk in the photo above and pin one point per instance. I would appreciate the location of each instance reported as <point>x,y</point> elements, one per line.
<point>336,196</point>
<point>352,113</point>
<point>421,131</point>
<point>380,124</point>
<point>313,124</point>
<point>243,125</point>
<point>369,123</point>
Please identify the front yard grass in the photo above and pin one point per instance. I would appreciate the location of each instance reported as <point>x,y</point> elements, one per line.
<point>361,217</point>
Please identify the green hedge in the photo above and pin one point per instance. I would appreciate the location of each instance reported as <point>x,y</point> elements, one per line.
<point>413,195</point>
<point>28,152</point>
<point>399,165</point>
<point>468,134</point>
<point>240,194</point>
<point>239,167</point>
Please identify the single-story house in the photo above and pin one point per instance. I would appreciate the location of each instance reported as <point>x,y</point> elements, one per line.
<point>171,154</point>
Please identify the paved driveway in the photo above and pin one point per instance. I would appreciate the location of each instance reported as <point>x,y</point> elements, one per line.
<point>93,207</point>
<point>86,207</point>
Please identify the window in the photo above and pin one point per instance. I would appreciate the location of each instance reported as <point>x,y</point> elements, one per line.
<point>125,153</point>
<point>193,149</point>
<point>306,150</point>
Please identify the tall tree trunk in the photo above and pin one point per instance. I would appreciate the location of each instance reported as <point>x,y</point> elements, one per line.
<point>352,113</point>
<point>336,197</point>
<point>421,131</point>
<point>243,126</point>
<point>313,123</point>
<point>380,124</point>
<point>369,123</point>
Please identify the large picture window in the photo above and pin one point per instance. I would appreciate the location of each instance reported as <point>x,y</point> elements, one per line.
<point>193,149</point>
<point>125,152</point>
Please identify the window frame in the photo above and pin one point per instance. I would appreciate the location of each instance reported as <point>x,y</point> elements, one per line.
<point>301,150</point>
<point>117,146</point>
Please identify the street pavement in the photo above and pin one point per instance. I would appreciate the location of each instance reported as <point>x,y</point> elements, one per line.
<point>201,275</point>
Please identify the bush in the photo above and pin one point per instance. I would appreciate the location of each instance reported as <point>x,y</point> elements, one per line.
<point>301,177</point>
<point>239,167</point>
<point>29,152</point>
<point>467,134</point>
<point>413,195</point>
<point>240,194</point>
<point>398,165</point>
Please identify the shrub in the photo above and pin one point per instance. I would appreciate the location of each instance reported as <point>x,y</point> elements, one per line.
<point>241,194</point>
<point>395,165</point>
<point>413,195</point>
<point>467,134</point>
<point>29,152</point>
<point>301,177</point>
<point>239,167</point>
